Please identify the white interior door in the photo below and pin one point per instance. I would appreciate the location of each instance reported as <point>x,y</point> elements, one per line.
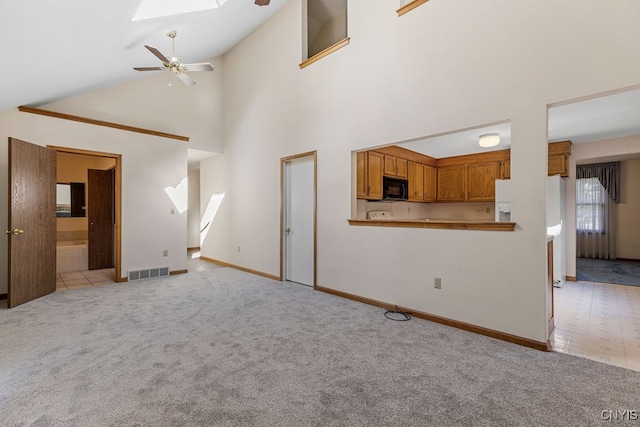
<point>299,206</point>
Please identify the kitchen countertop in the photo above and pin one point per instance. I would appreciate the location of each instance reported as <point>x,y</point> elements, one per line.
<point>437,223</point>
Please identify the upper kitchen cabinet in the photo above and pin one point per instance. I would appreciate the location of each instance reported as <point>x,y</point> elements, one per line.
<point>481,181</point>
<point>394,166</point>
<point>416,181</point>
<point>452,183</point>
<point>559,153</point>
<point>369,175</point>
<point>430,183</point>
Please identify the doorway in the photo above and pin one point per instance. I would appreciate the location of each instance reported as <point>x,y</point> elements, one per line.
<point>298,218</point>
<point>98,232</point>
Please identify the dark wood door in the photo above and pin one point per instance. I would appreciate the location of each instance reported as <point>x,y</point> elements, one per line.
<point>32,222</point>
<point>101,218</point>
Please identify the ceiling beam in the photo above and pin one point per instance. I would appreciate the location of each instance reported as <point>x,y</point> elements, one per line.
<point>71,117</point>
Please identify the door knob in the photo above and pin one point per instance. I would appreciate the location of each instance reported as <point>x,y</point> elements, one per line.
<point>287,230</point>
<point>15,231</point>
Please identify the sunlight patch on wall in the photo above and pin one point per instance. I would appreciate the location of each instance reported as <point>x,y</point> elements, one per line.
<point>209,214</point>
<point>179,195</point>
<point>150,9</point>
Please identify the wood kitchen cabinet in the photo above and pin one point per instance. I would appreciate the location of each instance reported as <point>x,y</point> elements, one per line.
<point>481,179</point>
<point>558,160</point>
<point>416,181</point>
<point>452,183</point>
<point>369,175</point>
<point>394,166</point>
<point>558,165</point>
<point>429,183</point>
<point>505,172</point>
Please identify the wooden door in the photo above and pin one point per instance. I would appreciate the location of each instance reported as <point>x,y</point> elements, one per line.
<point>101,218</point>
<point>32,222</point>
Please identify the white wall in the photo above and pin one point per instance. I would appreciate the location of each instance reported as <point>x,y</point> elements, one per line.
<point>628,212</point>
<point>594,152</point>
<point>193,215</point>
<point>428,72</point>
<point>150,103</point>
<point>149,165</point>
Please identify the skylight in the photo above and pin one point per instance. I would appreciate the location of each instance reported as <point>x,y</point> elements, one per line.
<point>150,9</point>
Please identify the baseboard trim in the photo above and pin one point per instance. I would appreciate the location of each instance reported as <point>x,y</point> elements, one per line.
<point>3,296</point>
<point>237,267</point>
<point>514,339</point>
<point>122,280</point>
<point>195,248</point>
<point>628,259</point>
<point>174,272</point>
<point>572,279</point>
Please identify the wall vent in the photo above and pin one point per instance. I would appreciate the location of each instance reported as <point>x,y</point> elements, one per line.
<point>148,273</point>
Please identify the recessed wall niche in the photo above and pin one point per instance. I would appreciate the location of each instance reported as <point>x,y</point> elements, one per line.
<point>325,24</point>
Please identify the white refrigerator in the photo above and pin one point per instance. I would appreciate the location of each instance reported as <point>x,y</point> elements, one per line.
<point>555,220</point>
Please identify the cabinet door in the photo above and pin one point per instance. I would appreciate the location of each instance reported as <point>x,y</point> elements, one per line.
<point>506,169</point>
<point>429,184</point>
<point>374,175</point>
<point>389,165</point>
<point>401,168</point>
<point>416,183</point>
<point>558,165</point>
<point>361,173</point>
<point>482,181</point>
<point>452,183</point>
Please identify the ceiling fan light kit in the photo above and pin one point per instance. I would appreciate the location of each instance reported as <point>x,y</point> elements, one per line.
<point>174,64</point>
<point>262,2</point>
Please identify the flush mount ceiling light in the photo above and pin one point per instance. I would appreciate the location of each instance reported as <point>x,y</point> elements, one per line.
<point>489,140</point>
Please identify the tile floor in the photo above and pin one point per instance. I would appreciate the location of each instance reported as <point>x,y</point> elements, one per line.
<point>598,321</point>
<point>83,279</point>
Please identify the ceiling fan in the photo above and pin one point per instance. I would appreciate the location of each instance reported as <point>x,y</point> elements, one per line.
<point>174,64</point>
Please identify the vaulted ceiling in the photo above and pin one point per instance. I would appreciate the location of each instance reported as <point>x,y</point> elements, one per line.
<point>56,49</point>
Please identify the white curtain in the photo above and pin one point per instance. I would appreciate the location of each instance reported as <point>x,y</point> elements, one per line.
<point>594,220</point>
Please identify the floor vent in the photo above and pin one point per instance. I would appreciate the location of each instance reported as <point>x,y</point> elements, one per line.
<point>148,273</point>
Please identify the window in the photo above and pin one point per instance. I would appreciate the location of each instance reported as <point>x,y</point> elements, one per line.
<point>409,5</point>
<point>591,198</point>
<point>325,23</point>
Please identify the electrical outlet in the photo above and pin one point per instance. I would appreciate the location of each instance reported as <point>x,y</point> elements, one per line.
<point>238,248</point>
<point>408,209</point>
<point>165,252</point>
<point>487,209</point>
<point>437,283</point>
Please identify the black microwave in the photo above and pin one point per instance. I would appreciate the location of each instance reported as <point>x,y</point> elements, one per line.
<point>395,188</point>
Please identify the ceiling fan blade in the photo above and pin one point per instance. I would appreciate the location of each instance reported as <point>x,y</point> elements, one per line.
<point>148,68</point>
<point>186,79</point>
<point>262,2</point>
<point>199,67</point>
<point>157,53</point>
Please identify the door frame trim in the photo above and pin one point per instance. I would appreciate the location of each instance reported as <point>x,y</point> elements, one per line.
<point>118,199</point>
<point>284,160</point>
